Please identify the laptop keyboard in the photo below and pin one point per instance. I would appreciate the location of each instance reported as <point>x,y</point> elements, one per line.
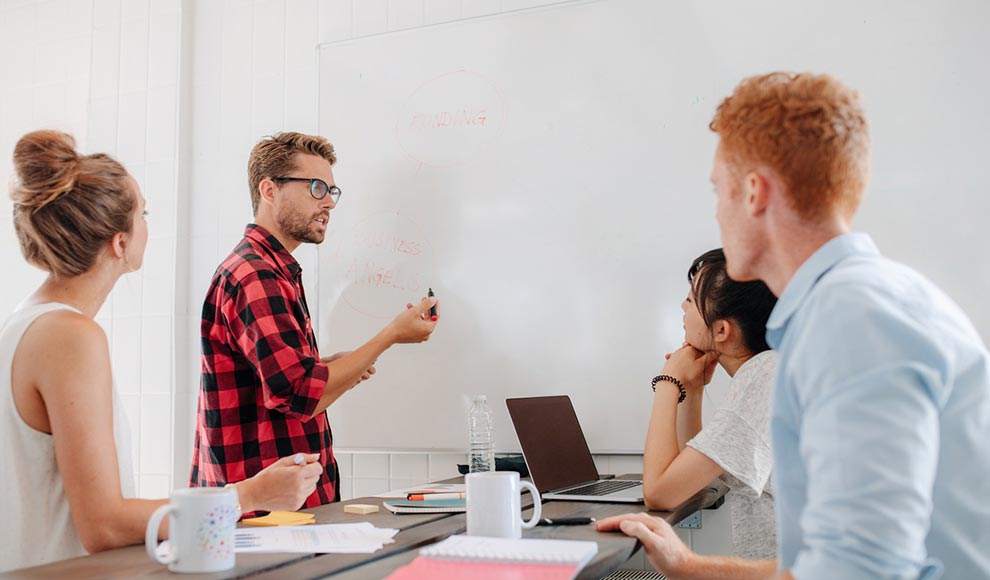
<point>602,487</point>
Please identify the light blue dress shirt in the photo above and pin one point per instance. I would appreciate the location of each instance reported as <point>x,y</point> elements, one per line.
<point>881,423</point>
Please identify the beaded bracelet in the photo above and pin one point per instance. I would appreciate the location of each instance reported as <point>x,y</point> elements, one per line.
<point>668,378</point>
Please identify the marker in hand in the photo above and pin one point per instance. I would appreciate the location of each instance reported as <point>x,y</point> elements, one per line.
<point>433,309</point>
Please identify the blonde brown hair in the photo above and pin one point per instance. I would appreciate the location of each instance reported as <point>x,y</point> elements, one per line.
<point>67,206</point>
<point>810,129</point>
<point>274,156</point>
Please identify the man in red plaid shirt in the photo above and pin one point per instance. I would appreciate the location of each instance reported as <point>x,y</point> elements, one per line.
<point>265,389</point>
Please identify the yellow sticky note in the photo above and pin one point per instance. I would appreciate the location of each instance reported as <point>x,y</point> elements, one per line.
<point>278,518</point>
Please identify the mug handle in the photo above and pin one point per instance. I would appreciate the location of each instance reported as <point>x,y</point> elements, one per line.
<point>151,535</point>
<point>537,505</point>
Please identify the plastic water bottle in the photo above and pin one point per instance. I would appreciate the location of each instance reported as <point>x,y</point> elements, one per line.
<point>481,435</point>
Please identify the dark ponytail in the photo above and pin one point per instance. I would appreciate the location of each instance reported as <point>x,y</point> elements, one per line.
<point>719,297</point>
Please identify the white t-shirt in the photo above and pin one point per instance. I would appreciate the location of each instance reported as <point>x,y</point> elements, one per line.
<point>37,527</point>
<point>738,440</point>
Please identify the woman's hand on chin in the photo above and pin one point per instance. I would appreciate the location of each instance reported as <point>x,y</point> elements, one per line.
<point>691,366</point>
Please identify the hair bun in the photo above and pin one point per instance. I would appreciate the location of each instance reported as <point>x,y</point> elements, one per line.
<point>47,167</point>
<point>67,206</point>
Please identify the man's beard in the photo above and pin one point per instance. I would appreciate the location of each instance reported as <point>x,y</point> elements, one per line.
<point>299,226</point>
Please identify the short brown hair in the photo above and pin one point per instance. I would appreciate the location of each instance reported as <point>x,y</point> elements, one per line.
<point>274,156</point>
<point>67,206</point>
<point>810,129</point>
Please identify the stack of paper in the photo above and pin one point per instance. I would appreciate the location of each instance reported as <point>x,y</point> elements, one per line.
<point>537,551</point>
<point>360,538</point>
<point>482,558</point>
<point>427,488</point>
<point>428,506</point>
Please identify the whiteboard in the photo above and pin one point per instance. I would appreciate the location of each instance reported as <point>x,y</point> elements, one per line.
<point>545,171</point>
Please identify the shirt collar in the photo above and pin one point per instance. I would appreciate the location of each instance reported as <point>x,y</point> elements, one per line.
<point>831,253</point>
<point>274,248</point>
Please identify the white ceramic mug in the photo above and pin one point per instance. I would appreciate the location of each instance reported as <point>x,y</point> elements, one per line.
<point>493,505</point>
<point>200,530</point>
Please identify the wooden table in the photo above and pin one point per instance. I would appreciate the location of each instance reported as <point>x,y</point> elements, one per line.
<point>613,548</point>
<point>415,531</point>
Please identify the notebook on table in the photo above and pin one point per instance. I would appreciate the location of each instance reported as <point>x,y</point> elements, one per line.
<point>557,454</point>
<point>481,558</point>
<point>426,506</point>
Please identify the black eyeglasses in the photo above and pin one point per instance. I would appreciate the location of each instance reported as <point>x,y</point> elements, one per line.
<point>317,187</point>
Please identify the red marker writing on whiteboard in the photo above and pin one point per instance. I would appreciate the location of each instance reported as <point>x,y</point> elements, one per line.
<point>433,309</point>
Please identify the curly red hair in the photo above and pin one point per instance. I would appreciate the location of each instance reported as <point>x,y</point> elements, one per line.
<point>810,129</point>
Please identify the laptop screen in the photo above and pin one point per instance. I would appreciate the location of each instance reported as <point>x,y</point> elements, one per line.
<point>556,451</point>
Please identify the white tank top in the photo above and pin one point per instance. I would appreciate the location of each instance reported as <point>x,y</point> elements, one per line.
<point>37,526</point>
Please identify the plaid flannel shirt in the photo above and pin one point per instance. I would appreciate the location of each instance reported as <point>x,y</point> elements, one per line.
<point>261,372</point>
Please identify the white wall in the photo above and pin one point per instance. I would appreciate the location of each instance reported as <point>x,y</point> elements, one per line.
<point>254,72</point>
<point>107,72</point>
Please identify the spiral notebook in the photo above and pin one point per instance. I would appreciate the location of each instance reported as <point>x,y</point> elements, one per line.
<point>481,558</point>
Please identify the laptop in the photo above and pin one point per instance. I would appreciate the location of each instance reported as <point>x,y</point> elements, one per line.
<point>558,456</point>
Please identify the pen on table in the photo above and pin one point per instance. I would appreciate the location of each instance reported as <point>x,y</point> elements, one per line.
<point>565,521</point>
<point>426,496</point>
<point>433,309</point>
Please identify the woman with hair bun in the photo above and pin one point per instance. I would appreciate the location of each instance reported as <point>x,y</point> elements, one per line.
<point>65,454</point>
